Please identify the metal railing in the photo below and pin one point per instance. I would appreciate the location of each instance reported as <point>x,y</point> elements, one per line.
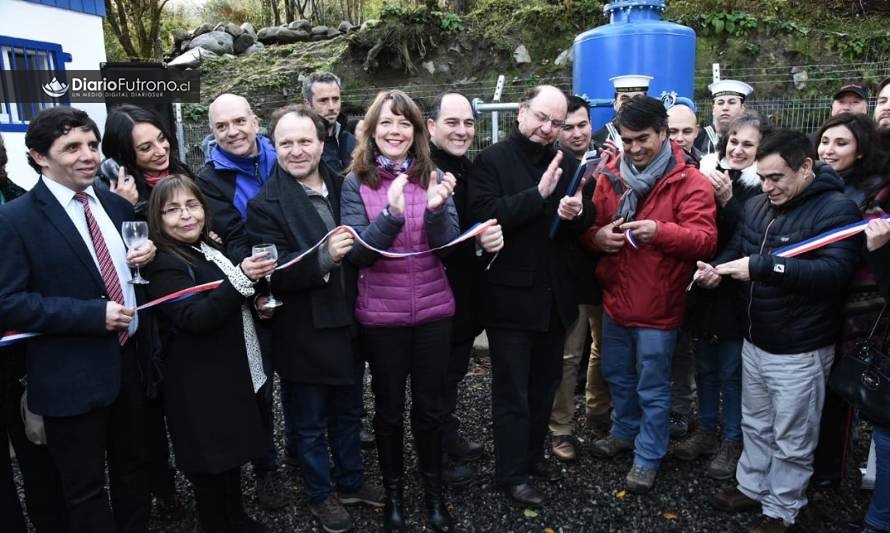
<point>803,114</point>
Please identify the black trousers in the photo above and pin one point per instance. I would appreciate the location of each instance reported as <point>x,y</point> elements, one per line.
<point>526,369</point>
<point>43,488</point>
<point>458,364</point>
<point>830,460</point>
<point>395,353</point>
<point>161,481</point>
<point>268,462</point>
<point>78,445</point>
<point>218,500</point>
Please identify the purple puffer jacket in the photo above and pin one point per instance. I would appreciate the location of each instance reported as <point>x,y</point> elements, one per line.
<point>406,291</point>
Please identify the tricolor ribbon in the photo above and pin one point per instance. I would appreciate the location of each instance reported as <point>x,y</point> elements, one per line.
<point>629,236</point>
<point>474,230</point>
<point>12,337</point>
<point>814,243</point>
<point>824,239</point>
<point>182,294</point>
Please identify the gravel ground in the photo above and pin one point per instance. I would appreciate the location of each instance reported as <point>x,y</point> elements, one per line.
<point>589,498</point>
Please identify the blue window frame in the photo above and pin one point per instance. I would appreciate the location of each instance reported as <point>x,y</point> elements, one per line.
<point>90,7</point>
<point>26,55</point>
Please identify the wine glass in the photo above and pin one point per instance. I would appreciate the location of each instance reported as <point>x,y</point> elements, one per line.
<point>271,252</point>
<point>135,233</point>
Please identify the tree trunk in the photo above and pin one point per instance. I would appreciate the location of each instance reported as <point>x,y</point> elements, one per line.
<point>289,11</point>
<point>276,13</point>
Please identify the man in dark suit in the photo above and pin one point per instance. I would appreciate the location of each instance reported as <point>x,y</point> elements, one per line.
<point>313,333</point>
<point>452,126</point>
<point>65,274</point>
<point>530,302</point>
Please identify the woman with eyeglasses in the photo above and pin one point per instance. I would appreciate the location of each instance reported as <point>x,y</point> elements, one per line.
<point>139,155</point>
<point>395,198</point>
<point>212,362</point>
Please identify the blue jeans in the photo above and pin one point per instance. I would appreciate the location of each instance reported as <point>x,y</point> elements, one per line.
<point>636,363</point>
<point>878,515</point>
<point>312,410</point>
<point>719,369</point>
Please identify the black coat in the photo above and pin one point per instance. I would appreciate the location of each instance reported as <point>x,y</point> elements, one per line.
<point>313,330</point>
<point>462,266</point>
<point>794,305</point>
<point>218,186</point>
<point>212,412</point>
<point>532,273</point>
<point>715,314</point>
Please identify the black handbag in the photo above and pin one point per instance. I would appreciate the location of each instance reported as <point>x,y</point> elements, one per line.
<point>862,378</point>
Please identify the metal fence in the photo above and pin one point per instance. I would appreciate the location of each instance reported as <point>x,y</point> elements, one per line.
<point>804,115</point>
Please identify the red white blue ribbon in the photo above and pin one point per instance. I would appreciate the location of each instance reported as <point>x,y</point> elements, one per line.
<point>182,294</point>
<point>12,337</point>
<point>474,230</point>
<point>629,237</point>
<point>824,239</point>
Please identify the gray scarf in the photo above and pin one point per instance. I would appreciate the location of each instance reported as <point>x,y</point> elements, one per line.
<point>639,182</point>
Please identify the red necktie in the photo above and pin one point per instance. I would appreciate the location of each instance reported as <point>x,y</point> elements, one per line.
<point>106,265</point>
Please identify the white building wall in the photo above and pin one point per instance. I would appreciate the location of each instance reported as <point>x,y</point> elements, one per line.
<point>79,34</point>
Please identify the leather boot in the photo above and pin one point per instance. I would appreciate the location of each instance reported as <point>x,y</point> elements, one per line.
<point>436,510</point>
<point>389,452</point>
<point>393,511</point>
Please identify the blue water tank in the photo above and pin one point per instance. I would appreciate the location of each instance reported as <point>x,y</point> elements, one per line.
<point>636,41</point>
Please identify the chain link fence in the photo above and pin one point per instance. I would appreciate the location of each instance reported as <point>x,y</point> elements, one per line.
<point>804,115</point>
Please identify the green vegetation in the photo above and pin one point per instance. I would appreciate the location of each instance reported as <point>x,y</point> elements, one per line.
<point>546,28</point>
<point>764,38</point>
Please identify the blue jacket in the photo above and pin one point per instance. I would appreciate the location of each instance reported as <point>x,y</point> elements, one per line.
<point>228,183</point>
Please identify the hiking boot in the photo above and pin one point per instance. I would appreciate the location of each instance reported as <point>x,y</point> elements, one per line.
<point>768,524</point>
<point>611,446</point>
<point>526,494</point>
<point>723,465</point>
<point>563,448</point>
<point>454,473</point>
<point>462,449</point>
<point>699,444</point>
<point>732,500</point>
<point>332,515</point>
<point>679,425</point>
<point>369,493</point>
<point>270,492</point>
<point>640,479</point>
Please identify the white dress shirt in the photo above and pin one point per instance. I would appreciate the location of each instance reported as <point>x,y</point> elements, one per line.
<point>113,240</point>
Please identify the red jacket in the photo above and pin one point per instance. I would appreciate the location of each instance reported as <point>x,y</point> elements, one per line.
<point>646,287</point>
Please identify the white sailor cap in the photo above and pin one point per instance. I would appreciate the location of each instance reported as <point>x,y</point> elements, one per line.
<point>730,88</point>
<point>631,83</point>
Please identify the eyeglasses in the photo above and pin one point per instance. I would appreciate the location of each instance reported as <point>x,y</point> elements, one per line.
<point>544,119</point>
<point>177,212</point>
